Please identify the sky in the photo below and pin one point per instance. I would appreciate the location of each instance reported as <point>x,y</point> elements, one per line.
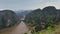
<point>28,4</point>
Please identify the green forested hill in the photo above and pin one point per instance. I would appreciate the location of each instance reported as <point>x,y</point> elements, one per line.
<point>43,18</point>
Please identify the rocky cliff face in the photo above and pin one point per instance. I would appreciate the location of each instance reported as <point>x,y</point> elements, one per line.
<point>8,18</point>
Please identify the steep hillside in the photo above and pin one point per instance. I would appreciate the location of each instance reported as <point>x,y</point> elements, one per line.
<point>8,18</point>
<point>42,19</point>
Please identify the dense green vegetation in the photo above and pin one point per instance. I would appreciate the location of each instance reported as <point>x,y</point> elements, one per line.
<point>42,19</point>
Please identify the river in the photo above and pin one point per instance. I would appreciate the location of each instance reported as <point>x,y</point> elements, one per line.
<point>19,29</point>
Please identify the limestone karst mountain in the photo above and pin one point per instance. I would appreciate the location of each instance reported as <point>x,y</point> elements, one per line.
<point>8,18</point>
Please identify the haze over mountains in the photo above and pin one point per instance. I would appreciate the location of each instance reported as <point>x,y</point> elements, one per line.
<point>23,11</point>
<point>40,18</point>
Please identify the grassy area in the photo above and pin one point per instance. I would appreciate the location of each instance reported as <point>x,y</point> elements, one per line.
<point>49,30</point>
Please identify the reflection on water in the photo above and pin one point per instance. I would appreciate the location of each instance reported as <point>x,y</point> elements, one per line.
<point>19,29</point>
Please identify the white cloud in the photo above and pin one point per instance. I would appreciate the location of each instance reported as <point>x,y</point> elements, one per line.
<point>28,4</point>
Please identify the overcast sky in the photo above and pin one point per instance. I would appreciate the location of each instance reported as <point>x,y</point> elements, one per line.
<point>28,4</point>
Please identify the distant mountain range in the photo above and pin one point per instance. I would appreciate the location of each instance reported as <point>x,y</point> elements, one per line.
<point>23,12</point>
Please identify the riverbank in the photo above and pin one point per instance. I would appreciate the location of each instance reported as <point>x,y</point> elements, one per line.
<point>17,29</point>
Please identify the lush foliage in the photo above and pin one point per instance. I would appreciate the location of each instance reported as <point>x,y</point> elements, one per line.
<point>44,18</point>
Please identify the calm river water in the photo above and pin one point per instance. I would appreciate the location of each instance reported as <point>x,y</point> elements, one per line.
<point>19,29</point>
